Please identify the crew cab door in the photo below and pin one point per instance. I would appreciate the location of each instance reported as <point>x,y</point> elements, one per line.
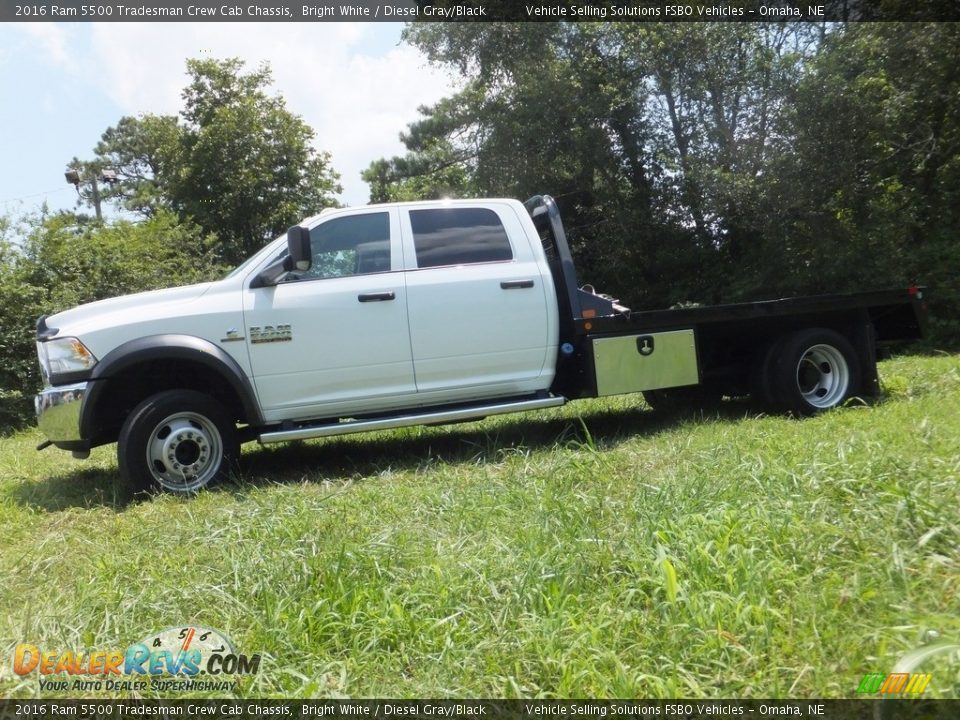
<point>479,324</point>
<point>335,339</point>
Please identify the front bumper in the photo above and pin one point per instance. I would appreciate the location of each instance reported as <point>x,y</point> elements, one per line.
<point>58,413</point>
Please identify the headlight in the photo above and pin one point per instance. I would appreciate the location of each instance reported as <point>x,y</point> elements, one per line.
<point>64,355</point>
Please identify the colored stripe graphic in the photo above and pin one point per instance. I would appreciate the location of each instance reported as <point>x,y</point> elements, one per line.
<point>871,683</point>
<point>894,683</point>
<point>918,683</point>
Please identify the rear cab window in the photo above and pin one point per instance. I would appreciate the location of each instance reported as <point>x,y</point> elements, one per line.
<point>458,236</point>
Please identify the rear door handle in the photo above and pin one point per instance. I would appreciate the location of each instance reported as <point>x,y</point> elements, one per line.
<point>516,284</point>
<point>377,297</point>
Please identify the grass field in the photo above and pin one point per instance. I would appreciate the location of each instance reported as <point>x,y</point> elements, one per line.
<point>593,551</point>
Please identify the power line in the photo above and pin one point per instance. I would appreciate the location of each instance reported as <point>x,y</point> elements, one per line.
<point>33,195</point>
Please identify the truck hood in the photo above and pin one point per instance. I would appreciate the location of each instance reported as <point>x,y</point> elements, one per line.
<point>93,316</point>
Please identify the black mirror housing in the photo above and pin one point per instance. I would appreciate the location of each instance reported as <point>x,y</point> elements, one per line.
<point>298,248</point>
<point>299,258</point>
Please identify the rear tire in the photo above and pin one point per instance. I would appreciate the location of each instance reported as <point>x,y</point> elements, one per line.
<point>812,371</point>
<point>179,441</point>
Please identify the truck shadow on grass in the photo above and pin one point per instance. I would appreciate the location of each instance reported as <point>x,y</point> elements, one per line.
<point>77,488</point>
<point>353,458</point>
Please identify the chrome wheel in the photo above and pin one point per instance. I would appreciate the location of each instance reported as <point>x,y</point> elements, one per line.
<point>184,452</point>
<point>810,371</point>
<point>823,376</point>
<point>180,441</point>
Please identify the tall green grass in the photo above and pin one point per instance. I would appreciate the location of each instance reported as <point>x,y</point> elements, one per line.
<point>596,550</point>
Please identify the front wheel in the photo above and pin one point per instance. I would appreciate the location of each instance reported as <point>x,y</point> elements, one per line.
<point>813,370</point>
<point>178,440</point>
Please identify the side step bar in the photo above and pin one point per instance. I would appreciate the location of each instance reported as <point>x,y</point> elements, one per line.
<point>474,412</point>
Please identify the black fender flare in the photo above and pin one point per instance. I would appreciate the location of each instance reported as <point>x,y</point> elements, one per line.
<point>167,347</point>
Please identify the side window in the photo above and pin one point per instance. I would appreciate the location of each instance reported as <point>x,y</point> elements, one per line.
<point>458,236</point>
<point>355,245</point>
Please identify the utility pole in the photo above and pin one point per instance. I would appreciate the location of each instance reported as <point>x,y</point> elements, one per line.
<point>106,175</point>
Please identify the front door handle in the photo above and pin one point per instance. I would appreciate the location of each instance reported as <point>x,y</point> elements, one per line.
<point>516,284</point>
<point>377,296</point>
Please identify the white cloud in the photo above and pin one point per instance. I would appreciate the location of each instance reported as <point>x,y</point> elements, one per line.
<point>51,39</point>
<point>349,81</point>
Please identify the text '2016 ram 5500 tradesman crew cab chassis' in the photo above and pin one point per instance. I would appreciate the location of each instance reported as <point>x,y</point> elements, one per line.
<point>419,313</point>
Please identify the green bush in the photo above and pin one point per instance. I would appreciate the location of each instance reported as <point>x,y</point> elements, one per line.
<point>66,260</point>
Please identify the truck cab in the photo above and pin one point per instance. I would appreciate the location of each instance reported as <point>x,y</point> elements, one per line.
<point>355,312</point>
<point>403,305</point>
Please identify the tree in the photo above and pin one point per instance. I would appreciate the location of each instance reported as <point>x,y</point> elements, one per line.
<point>877,172</point>
<point>722,123</point>
<point>146,153</point>
<point>249,170</point>
<point>236,161</point>
<point>434,168</point>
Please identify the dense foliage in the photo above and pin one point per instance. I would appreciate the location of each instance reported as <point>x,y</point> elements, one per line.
<point>710,162</point>
<point>67,261</point>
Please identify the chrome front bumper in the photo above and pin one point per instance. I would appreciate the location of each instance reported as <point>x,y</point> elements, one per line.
<point>58,412</point>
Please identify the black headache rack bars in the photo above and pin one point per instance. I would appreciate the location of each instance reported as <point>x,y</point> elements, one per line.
<point>575,303</point>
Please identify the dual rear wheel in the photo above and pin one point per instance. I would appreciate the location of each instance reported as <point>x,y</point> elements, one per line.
<point>802,373</point>
<point>810,371</point>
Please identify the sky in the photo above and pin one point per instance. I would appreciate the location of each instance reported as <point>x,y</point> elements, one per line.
<point>63,84</point>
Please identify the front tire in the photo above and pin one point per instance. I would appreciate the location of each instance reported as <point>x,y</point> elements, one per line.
<point>813,370</point>
<point>179,441</point>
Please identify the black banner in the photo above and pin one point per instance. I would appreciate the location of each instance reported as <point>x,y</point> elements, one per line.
<point>478,10</point>
<point>892,709</point>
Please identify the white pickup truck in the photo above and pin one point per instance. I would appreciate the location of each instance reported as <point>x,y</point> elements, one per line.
<point>418,313</point>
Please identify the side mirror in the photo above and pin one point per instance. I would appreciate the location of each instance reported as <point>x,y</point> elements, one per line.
<point>299,258</point>
<point>298,248</point>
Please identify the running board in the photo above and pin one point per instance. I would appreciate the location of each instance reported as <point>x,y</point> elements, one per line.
<point>474,412</point>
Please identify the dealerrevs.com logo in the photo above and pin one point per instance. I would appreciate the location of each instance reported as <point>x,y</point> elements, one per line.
<point>179,658</point>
